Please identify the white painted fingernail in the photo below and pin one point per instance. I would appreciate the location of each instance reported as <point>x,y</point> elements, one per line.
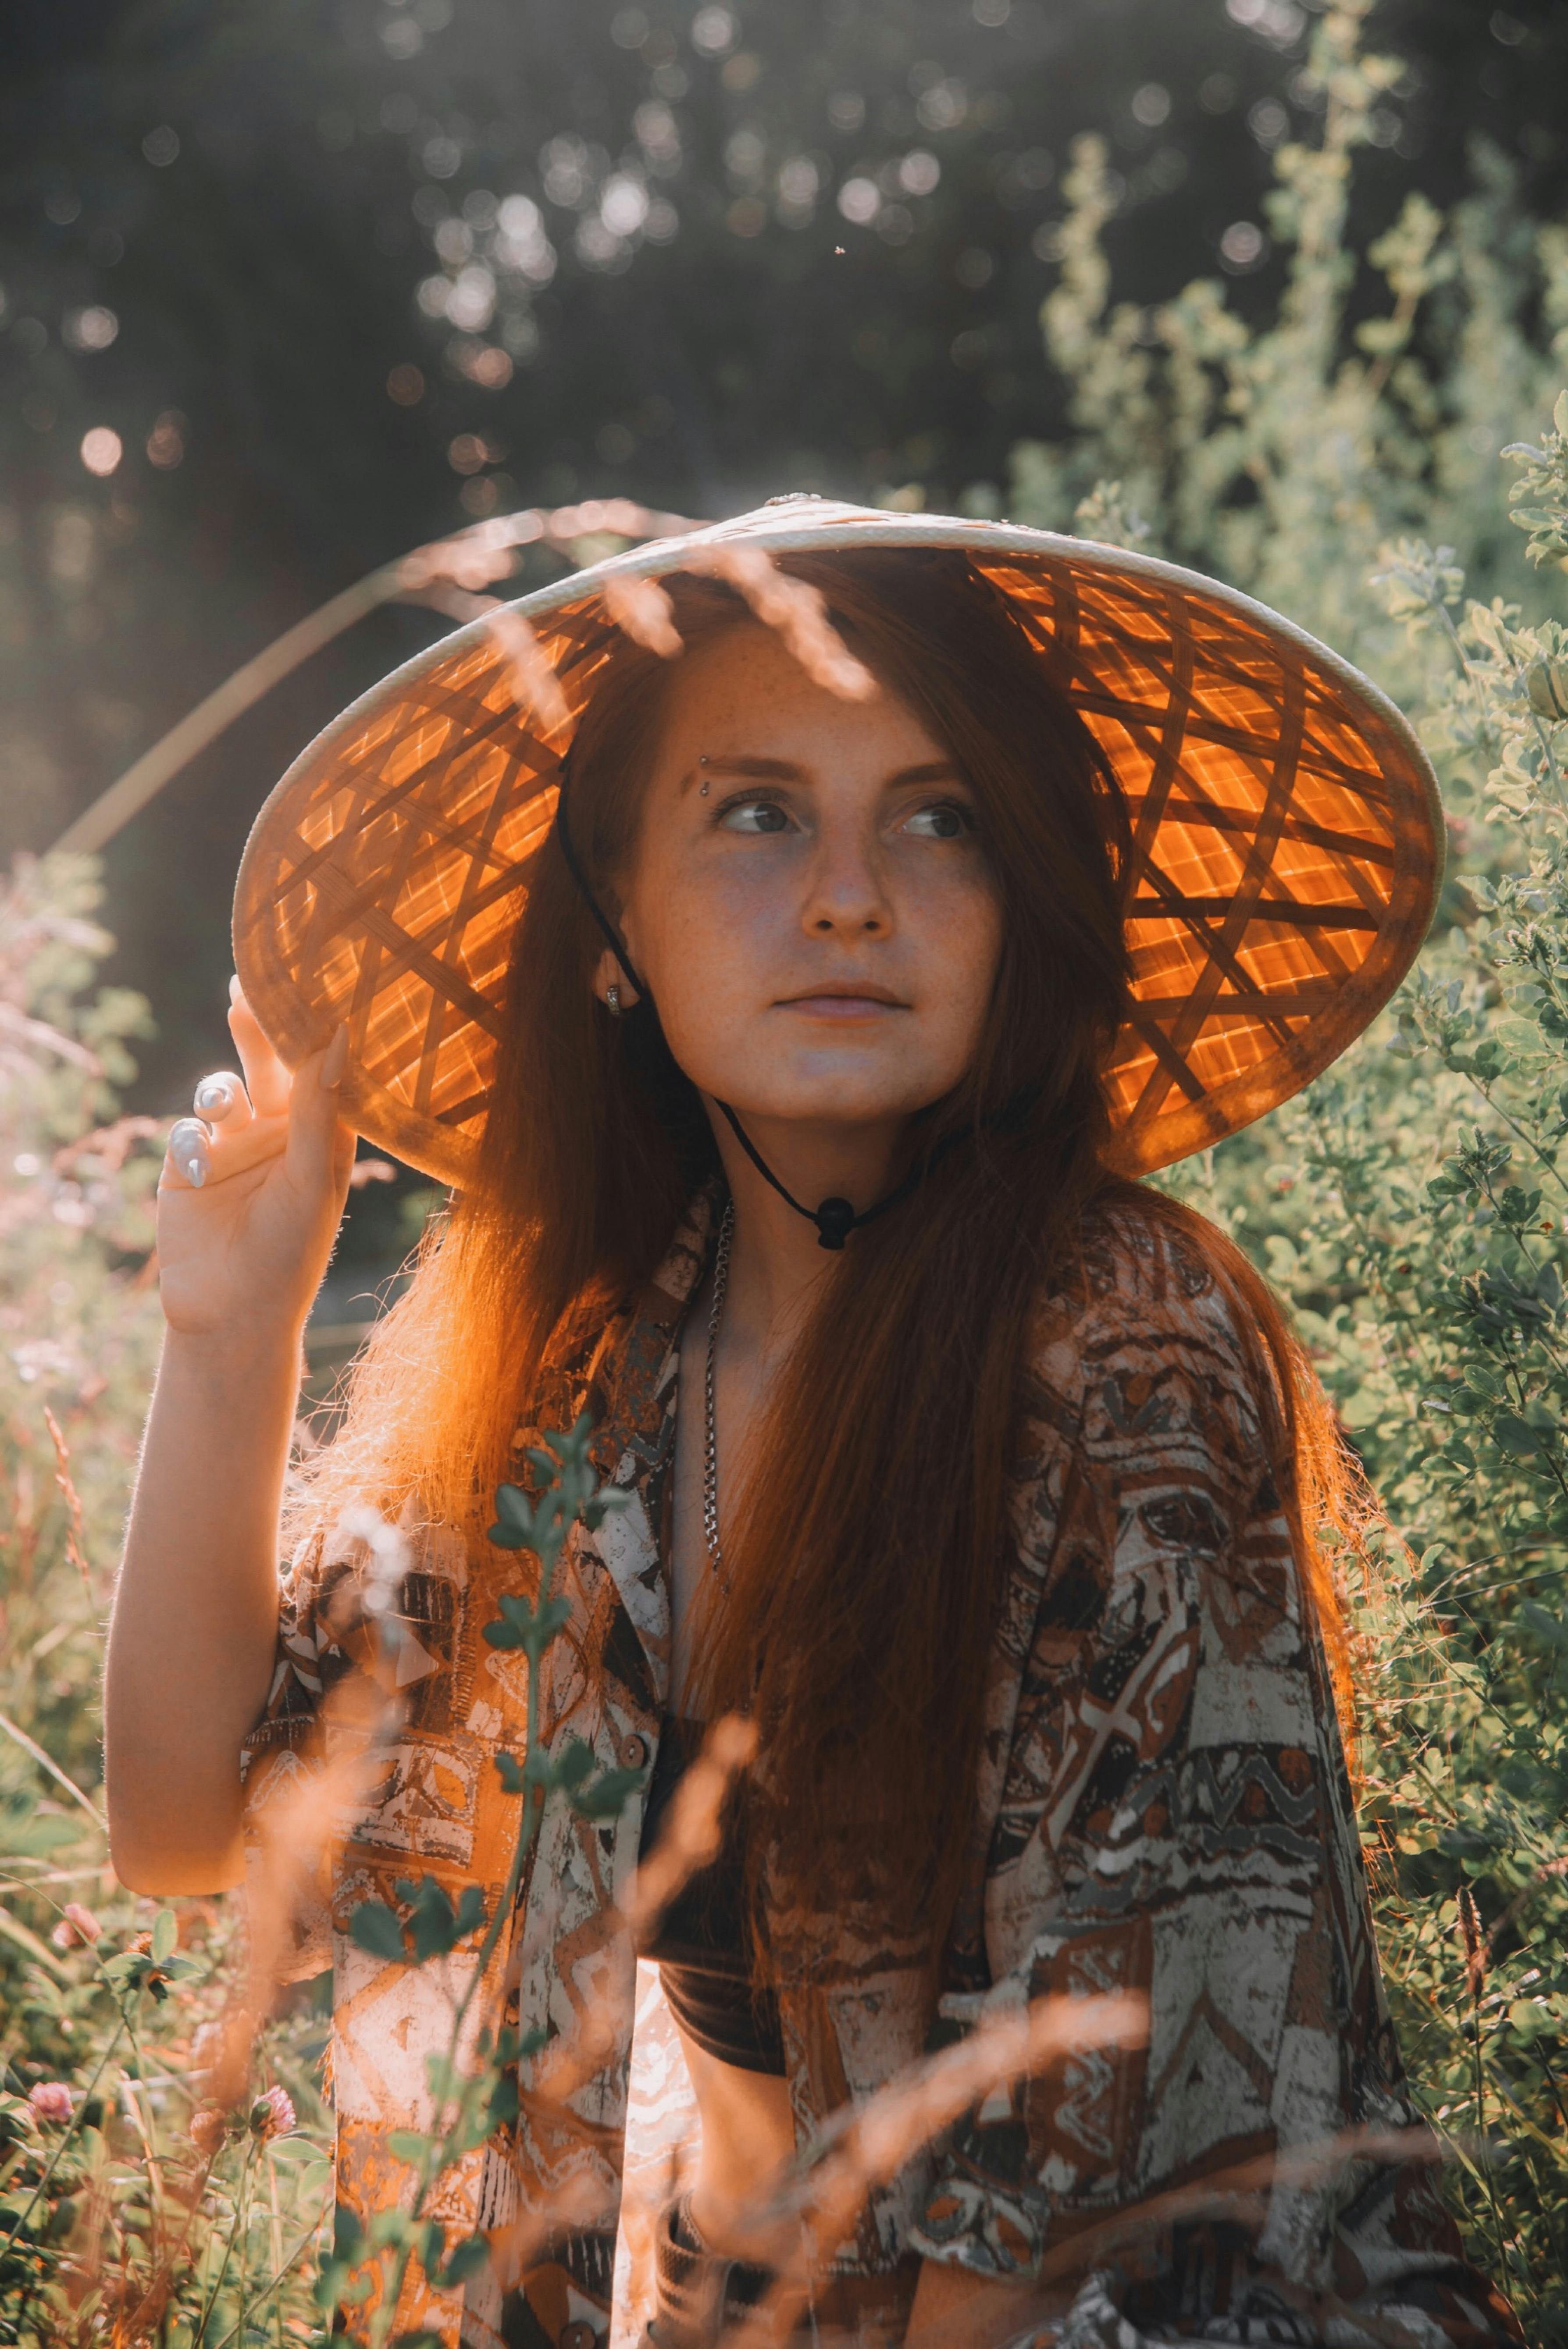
<point>214,1093</point>
<point>187,1147</point>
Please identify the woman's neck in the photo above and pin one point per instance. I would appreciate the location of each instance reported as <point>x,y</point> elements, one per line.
<point>777,1261</point>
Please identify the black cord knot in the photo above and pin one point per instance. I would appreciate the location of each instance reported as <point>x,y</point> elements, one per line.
<point>835,1219</point>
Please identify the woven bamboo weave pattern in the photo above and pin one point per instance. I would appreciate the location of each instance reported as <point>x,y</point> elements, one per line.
<point>1286,842</point>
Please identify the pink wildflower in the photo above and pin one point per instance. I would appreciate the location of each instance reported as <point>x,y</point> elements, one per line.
<point>272,2114</point>
<point>51,2101</point>
<point>77,1928</point>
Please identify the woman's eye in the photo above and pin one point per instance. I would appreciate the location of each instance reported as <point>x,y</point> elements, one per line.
<point>944,822</point>
<point>755,815</point>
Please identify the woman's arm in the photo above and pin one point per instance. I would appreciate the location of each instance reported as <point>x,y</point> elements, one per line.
<point>241,1255</point>
<point>956,2309</point>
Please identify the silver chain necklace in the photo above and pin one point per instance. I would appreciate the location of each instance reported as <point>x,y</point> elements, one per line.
<point>710,1438</point>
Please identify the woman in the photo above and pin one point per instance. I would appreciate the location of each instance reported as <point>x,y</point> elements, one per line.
<point>911,882</point>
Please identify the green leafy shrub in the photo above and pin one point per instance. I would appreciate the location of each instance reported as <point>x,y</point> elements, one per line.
<point>129,2206</point>
<point>1412,1206</point>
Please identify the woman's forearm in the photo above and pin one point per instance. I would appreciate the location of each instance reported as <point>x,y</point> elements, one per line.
<point>249,1202</point>
<point>195,1615</point>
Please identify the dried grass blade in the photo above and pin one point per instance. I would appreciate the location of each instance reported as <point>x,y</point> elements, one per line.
<point>794,608</point>
<point>643,611</point>
<point>47,1762</point>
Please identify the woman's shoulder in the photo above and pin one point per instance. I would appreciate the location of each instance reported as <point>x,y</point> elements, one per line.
<point>1148,1298</point>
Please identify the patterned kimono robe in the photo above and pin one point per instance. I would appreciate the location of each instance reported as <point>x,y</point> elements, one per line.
<point>1160,1805</point>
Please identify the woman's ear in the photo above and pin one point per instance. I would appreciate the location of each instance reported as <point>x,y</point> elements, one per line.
<point>609,972</point>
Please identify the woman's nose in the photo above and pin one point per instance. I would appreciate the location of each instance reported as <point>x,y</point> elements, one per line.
<point>847,894</point>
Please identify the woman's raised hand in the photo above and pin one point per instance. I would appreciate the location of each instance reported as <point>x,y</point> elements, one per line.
<point>253,1188</point>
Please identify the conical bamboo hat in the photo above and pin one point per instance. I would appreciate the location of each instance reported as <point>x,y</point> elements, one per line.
<point>1288,835</point>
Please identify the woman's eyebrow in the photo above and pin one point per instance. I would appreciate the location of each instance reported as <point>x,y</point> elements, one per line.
<point>937,770</point>
<point>768,770</point>
<point>785,771</point>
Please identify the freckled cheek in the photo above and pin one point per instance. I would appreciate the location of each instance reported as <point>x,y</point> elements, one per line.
<point>710,953</point>
<point>958,932</point>
<point>725,925</point>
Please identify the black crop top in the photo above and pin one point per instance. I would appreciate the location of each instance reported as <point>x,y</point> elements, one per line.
<point>703,1944</point>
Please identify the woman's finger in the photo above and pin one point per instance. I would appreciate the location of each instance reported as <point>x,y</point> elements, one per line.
<point>221,1100</point>
<point>199,1156</point>
<point>188,1161</point>
<point>269,1080</point>
<point>313,1143</point>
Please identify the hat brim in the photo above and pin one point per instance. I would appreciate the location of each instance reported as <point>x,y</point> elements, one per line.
<point>1288,835</point>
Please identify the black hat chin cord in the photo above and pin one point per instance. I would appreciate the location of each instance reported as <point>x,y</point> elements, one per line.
<point>835,1219</point>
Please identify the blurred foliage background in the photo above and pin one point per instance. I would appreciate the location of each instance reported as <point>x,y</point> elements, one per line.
<point>1265,286</point>
<point>340,274</point>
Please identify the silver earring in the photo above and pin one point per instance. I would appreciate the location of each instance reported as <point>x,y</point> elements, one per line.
<point>613,1001</point>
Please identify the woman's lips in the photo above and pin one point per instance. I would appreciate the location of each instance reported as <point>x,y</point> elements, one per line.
<point>843,1007</point>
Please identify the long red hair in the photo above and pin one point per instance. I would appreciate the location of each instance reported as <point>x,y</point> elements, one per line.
<point>870,1549</point>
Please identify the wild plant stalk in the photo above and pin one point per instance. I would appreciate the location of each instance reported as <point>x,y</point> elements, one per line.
<point>14,2232</point>
<point>569,1494</point>
<point>241,2198</point>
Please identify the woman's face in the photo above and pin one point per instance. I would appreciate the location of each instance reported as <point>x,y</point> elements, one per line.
<point>809,900</point>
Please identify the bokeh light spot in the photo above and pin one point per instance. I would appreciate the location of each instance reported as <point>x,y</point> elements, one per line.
<point>713,31</point>
<point>102,450</point>
<point>1243,246</point>
<point>859,201</point>
<point>166,441</point>
<point>92,329</point>
<point>470,452</point>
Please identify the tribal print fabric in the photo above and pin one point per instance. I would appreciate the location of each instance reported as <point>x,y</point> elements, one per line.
<point>1166,1810</point>
<point>1161,1806</point>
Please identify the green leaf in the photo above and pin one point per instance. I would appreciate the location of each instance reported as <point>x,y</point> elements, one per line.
<point>467,2260</point>
<point>1514,1434</point>
<point>470,1912</point>
<point>1550,1628</point>
<point>607,1797</point>
<point>408,2145</point>
<point>347,2233</point>
<point>434,1925</point>
<point>503,2104</point>
<point>21,1837</point>
<point>512,1627</point>
<point>552,1617</point>
<point>376,1928</point>
<point>330,2284</point>
<point>513,1775</point>
<point>515,1526</point>
<point>165,1934</point>
<point>571,1765</point>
